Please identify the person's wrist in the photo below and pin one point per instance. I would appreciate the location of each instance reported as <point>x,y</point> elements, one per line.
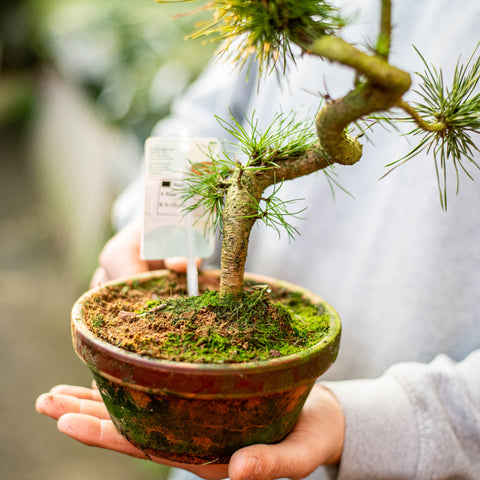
<point>336,427</point>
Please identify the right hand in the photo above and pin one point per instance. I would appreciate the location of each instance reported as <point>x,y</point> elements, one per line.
<point>120,257</point>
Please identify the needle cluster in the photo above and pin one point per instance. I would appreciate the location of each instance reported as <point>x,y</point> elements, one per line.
<point>265,29</point>
<point>252,151</point>
<point>447,120</point>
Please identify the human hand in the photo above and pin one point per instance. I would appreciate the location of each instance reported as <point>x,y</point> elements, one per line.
<point>120,257</point>
<point>316,439</point>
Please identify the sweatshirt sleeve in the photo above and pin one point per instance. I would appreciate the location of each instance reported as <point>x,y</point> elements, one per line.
<point>417,421</point>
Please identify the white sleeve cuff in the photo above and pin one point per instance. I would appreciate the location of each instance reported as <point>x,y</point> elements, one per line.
<point>381,436</point>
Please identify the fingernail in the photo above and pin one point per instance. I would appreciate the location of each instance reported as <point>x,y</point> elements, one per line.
<point>251,470</point>
<point>41,402</point>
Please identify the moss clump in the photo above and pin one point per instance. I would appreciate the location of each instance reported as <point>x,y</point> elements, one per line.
<point>207,328</point>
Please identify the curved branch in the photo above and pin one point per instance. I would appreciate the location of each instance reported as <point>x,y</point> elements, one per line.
<point>384,85</point>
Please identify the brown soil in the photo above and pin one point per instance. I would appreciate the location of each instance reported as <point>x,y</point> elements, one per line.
<point>155,318</point>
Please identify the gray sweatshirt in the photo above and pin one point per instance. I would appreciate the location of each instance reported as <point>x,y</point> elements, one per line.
<point>403,275</point>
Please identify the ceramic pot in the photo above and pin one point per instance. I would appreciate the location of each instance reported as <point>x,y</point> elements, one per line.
<point>197,413</point>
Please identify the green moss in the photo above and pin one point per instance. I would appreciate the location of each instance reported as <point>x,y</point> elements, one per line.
<point>98,321</point>
<point>220,329</point>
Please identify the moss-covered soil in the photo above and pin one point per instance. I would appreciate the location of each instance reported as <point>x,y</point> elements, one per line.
<point>155,318</point>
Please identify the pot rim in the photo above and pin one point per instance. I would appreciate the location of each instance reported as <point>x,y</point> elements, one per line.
<point>312,361</point>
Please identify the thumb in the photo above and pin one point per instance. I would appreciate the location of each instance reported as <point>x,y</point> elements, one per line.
<point>266,462</point>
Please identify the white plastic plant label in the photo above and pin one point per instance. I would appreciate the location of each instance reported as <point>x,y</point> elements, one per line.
<point>167,230</point>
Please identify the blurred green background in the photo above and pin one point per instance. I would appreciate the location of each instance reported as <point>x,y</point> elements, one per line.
<point>82,82</point>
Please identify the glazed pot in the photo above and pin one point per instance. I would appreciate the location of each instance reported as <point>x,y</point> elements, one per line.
<point>197,413</point>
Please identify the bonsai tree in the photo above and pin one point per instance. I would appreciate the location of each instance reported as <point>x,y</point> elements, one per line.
<point>183,411</point>
<point>232,193</point>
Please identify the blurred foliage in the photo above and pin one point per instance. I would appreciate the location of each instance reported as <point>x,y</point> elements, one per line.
<point>17,59</point>
<point>131,58</point>
<point>16,26</point>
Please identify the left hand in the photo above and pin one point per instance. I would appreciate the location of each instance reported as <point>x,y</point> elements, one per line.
<point>317,438</point>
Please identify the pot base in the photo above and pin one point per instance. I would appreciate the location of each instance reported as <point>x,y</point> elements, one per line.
<point>181,457</point>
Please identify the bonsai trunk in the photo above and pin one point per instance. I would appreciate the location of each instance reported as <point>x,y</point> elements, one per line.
<point>239,215</point>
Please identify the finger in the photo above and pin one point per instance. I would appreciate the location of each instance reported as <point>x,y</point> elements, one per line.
<point>56,405</point>
<point>179,264</point>
<point>79,392</point>
<point>96,432</point>
<point>102,433</point>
